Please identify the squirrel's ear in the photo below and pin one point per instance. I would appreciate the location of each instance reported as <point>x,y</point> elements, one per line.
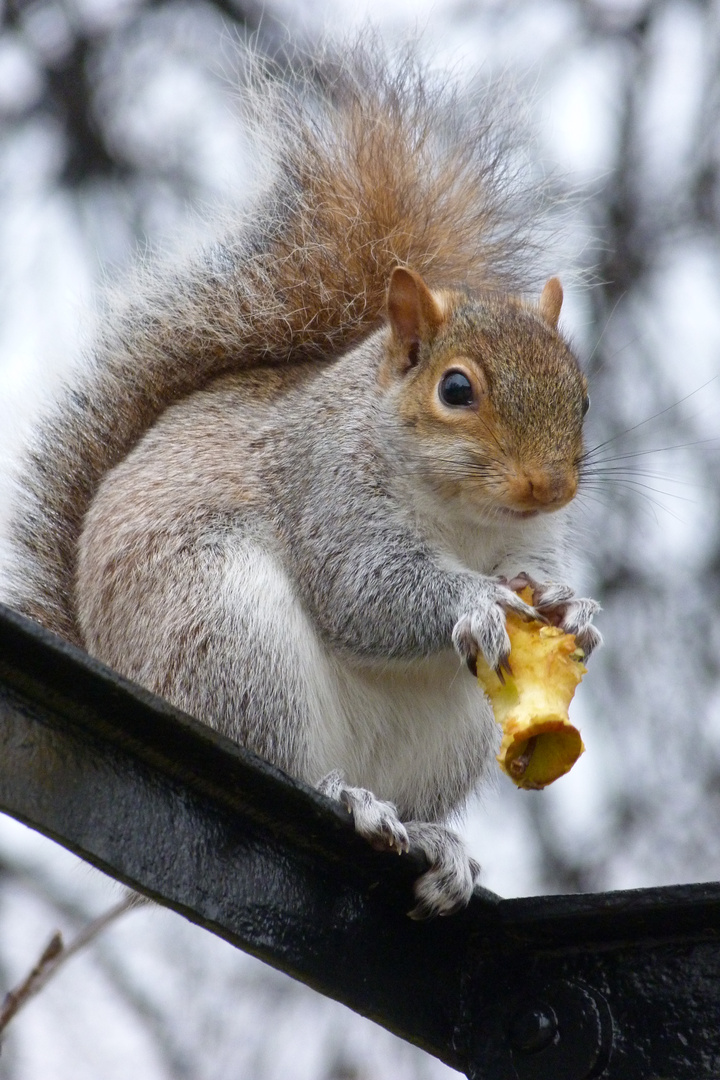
<point>413,311</point>
<point>550,302</point>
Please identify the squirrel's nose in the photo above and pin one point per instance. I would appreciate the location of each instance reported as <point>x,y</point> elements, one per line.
<point>547,489</point>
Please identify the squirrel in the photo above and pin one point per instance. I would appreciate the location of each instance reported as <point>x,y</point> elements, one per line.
<point>293,487</point>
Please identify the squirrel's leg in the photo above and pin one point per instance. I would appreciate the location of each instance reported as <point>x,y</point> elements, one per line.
<point>390,597</point>
<point>448,884</point>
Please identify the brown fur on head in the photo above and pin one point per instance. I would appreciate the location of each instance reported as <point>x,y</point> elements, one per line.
<point>492,389</point>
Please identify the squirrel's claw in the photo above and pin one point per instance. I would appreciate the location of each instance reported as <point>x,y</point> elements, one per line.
<point>557,605</point>
<point>503,668</point>
<point>482,631</point>
<point>377,821</point>
<point>587,636</point>
<point>510,601</point>
<point>449,883</point>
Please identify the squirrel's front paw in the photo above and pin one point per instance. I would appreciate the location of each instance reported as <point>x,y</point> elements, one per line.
<point>559,605</point>
<point>377,821</point>
<point>482,629</point>
<point>449,883</point>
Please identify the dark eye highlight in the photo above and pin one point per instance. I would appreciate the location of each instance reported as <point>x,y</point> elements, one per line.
<point>455,390</point>
<point>585,404</point>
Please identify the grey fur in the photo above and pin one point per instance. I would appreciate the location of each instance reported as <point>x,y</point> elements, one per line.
<point>293,581</point>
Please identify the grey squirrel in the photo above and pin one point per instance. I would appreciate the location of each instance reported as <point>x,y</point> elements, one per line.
<point>292,487</point>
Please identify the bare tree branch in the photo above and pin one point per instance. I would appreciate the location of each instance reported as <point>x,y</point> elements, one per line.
<point>55,955</point>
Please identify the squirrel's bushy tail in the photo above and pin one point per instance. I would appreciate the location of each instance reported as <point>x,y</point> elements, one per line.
<point>374,162</point>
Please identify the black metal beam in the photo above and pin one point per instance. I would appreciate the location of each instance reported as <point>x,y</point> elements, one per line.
<point>618,985</point>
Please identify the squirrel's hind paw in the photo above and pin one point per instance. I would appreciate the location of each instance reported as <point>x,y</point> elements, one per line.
<point>377,821</point>
<point>449,882</point>
<point>448,885</point>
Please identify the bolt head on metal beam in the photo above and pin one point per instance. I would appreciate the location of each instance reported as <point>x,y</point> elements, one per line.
<point>565,1032</point>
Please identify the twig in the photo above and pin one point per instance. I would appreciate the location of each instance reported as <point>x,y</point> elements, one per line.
<point>55,955</point>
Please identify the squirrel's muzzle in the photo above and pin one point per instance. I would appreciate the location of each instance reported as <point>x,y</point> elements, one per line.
<point>541,489</point>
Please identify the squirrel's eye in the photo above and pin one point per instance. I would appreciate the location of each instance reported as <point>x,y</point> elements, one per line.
<point>455,389</point>
<point>585,404</point>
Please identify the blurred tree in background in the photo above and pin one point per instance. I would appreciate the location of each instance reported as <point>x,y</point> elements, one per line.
<point>118,121</point>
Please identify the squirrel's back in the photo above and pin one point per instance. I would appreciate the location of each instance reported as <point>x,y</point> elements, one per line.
<point>375,162</point>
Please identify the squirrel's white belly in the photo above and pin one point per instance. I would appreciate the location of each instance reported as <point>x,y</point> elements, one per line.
<point>417,733</point>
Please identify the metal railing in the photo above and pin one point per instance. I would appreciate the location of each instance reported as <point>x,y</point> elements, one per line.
<point>624,986</point>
